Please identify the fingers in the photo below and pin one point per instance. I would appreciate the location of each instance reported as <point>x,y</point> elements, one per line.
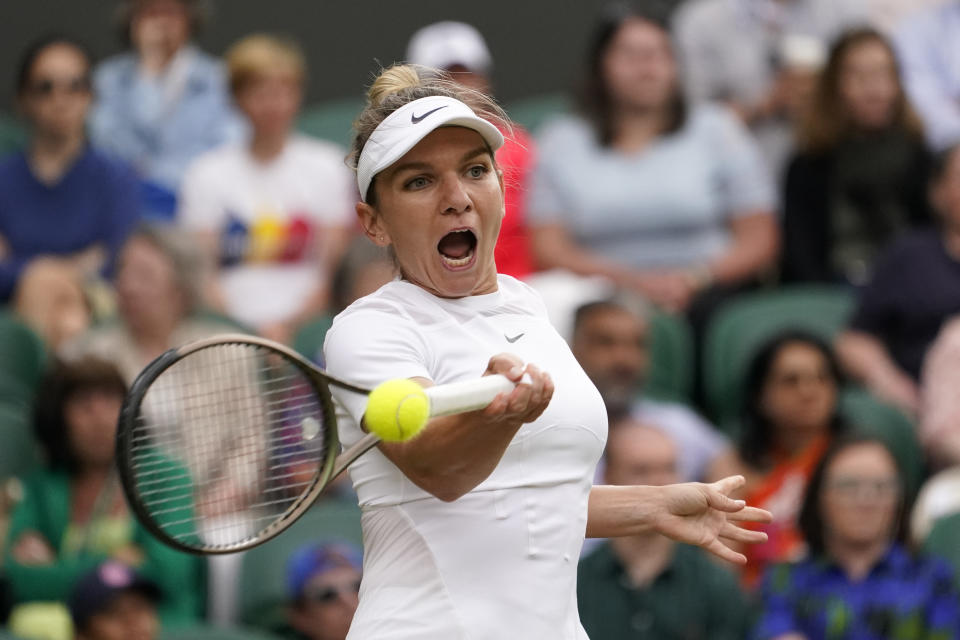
<point>506,364</point>
<point>723,502</point>
<point>734,533</point>
<point>528,399</point>
<point>728,485</point>
<point>717,548</point>
<point>750,514</point>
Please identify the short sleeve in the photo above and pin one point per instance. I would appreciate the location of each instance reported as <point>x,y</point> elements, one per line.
<point>746,184</point>
<point>547,201</point>
<point>368,347</point>
<point>197,200</point>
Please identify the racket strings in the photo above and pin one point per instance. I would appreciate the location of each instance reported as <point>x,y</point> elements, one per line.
<point>226,442</point>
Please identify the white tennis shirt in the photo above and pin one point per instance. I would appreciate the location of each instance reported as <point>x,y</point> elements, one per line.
<point>501,561</point>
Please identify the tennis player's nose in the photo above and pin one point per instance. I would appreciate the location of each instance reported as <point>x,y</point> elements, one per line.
<point>455,198</point>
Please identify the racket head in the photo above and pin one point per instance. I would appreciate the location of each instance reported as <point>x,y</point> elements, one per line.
<point>225,442</point>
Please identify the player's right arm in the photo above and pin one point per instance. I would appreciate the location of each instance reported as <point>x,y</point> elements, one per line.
<point>454,454</point>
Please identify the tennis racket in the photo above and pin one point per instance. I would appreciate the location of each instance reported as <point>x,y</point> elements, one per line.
<point>223,443</point>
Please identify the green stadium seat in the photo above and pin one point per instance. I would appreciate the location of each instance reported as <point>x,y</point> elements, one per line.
<point>204,632</point>
<point>13,135</point>
<point>6,635</point>
<point>531,113</point>
<point>870,416</point>
<point>331,120</point>
<point>944,541</point>
<point>741,327</point>
<point>23,360</point>
<point>671,358</point>
<point>308,341</point>
<point>263,574</point>
<point>19,452</point>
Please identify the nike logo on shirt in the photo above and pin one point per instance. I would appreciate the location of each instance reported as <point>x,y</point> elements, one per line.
<point>514,338</point>
<point>415,119</point>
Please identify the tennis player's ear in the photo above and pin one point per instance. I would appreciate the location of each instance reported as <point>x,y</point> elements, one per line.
<point>503,193</point>
<point>372,225</point>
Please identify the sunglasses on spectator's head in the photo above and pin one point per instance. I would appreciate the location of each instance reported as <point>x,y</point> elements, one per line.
<point>327,594</point>
<point>73,86</point>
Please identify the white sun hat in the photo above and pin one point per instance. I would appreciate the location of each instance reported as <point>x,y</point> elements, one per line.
<point>442,45</point>
<point>404,128</point>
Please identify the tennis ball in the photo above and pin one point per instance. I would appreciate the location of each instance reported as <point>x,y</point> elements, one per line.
<point>397,410</point>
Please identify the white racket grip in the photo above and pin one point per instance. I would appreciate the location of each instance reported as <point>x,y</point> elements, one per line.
<point>469,395</point>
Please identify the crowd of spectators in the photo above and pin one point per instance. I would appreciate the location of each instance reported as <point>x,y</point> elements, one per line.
<point>720,152</point>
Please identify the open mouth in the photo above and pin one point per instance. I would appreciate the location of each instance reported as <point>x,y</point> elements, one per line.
<point>457,248</point>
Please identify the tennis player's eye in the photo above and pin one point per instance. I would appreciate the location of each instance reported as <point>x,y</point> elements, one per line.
<point>417,183</point>
<point>477,171</point>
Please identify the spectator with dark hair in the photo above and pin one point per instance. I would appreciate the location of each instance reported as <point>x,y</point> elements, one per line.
<point>915,289</point>
<point>273,214</point>
<point>113,602</point>
<point>860,177</point>
<point>73,515</point>
<point>611,342</point>
<point>663,198</point>
<point>158,299</point>
<point>859,579</point>
<point>65,208</point>
<point>648,586</point>
<point>931,69</point>
<point>790,415</point>
<point>760,57</point>
<point>363,269</point>
<point>164,102</point>
<point>323,583</point>
<point>460,50</point>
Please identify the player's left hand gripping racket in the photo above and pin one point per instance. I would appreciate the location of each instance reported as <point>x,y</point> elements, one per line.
<point>223,443</point>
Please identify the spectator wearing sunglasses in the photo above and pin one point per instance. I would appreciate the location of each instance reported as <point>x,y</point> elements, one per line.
<point>65,208</point>
<point>323,581</point>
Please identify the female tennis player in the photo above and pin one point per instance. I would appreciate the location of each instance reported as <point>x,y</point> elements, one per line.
<point>474,528</point>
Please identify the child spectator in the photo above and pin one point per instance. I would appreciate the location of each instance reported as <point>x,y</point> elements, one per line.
<point>274,214</point>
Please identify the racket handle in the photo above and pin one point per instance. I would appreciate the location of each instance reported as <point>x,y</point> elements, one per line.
<point>469,395</point>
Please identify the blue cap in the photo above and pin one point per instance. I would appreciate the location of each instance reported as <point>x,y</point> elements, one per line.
<point>96,590</point>
<point>314,558</point>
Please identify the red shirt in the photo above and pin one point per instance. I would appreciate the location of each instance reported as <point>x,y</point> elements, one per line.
<point>515,157</point>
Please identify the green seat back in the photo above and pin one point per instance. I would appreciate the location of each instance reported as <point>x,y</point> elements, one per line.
<point>13,135</point>
<point>308,340</point>
<point>874,418</point>
<point>670,374</point>
<point>740,328</point>
<point>331,120</point>
<point>532,112</point>
<point>263,592</point>
<point>944,541</point>
<point>23,360</point>
<point>19,452</point>
<point>204,632</point>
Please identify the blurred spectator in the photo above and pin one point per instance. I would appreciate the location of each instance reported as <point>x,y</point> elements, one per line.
<point>162,103</point>
<point>859,580</point>
<point>73,515</point>
<point>939,402</point>
<point>889,15</point>
<point>915,288</point>
<point>65,208</point>
<point>666,200</point>
<point>611,343</point>
<point>860,178</point>
<point>158,299</point>
<point>760,57</point>
<point>363,269</point>
<point>648,586</point>
<point>790,415</point>
<point>275,212</point>
<point>926,44</point>
<point>461,51</point>
<point>113,602</point>
<point>323,582</point>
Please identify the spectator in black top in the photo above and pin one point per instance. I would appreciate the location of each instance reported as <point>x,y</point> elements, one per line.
<point>915,288</point>
<point>859,177</point>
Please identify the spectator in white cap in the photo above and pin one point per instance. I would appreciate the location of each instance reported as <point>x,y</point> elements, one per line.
<point>459,50</point>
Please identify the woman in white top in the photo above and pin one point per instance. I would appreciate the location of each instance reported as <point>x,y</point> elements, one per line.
<point>275,212</point>
<point>474,528</point>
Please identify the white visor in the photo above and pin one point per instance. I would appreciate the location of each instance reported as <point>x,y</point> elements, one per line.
<point>404,128</point>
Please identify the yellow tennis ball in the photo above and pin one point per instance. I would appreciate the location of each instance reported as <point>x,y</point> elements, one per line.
<point>397,410</point>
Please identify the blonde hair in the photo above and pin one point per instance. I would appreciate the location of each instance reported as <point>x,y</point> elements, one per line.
<point>261,54</point>
<point>403,83</point>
